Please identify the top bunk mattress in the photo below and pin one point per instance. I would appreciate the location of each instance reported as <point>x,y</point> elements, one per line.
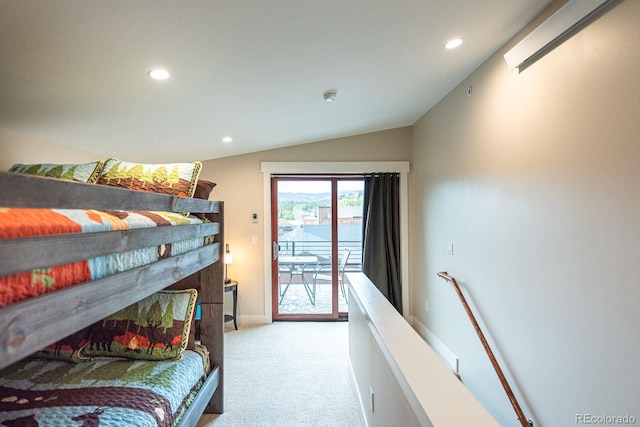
<point>20,223</point>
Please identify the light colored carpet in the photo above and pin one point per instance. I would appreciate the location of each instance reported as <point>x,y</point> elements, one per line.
<point>290,374</point>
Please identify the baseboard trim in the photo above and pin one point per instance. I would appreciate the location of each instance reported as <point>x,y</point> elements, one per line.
<point>254,320</point>
<point>442,350</point>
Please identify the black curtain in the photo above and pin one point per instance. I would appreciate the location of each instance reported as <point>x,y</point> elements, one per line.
<point>381,234</point>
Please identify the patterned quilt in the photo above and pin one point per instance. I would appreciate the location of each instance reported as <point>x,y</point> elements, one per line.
<point>19,222</point>
<point>108,392</point>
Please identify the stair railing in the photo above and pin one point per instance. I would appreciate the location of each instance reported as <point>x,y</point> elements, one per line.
<point>503,380</point>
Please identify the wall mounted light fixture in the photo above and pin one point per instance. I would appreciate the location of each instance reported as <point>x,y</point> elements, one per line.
<point>566,21</point>
<point>228,259</point>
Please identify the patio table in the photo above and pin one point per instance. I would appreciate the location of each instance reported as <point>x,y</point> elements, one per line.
<point>296,266</point>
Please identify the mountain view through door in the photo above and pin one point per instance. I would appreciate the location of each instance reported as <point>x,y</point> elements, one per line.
<point>318,237</point>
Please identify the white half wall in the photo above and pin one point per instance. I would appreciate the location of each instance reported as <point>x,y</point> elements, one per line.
<point>400,380</point>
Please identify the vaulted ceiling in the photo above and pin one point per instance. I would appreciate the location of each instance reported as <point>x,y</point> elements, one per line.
<point>75,71</point>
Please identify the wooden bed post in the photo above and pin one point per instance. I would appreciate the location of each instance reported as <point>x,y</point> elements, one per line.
<point>212,314</point>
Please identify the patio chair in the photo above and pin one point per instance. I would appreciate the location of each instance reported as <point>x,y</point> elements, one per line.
<point>323,272</point>
<point>283,270</point>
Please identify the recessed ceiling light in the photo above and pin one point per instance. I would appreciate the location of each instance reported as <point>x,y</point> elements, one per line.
<point>452,44</point>
<point>159,74</point>
<point>227,139</point>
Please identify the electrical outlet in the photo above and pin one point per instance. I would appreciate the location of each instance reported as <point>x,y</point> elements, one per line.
<point>426,305</point>
<point>254,239</point>
<point>450,248</point>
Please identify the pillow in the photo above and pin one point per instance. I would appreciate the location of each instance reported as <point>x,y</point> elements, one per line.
<point>83,172</point>
<point>203,189</point>
<point>176,179</point>
<point>67,349</point>
<point>155,328</point>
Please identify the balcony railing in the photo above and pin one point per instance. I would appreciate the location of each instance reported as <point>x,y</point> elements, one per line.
<point>322,249</point>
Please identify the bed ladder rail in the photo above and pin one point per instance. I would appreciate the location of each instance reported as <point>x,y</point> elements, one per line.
<point>524,422</point>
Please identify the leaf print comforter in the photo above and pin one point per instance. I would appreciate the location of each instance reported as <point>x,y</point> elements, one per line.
<point>107,392</point>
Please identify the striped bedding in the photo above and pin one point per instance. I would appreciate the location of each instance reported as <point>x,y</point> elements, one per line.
<point>20,223</point>
<point>105,392</point>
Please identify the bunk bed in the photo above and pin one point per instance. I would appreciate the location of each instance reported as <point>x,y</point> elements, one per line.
<point>31,324</point>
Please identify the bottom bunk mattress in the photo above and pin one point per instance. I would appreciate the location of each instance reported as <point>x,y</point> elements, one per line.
<point>105,392</point>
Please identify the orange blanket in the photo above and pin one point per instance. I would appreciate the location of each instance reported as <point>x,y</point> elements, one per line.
<point>20,223</point>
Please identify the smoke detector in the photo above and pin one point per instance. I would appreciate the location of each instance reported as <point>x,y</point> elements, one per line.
<point>330,95</point>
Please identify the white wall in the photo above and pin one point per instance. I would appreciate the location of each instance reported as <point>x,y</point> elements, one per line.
<point>240,184</point>
<point>536,179</point>
<point>20,148</point>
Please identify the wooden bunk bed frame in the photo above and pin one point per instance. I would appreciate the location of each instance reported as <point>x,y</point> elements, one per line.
<point>32,324</point>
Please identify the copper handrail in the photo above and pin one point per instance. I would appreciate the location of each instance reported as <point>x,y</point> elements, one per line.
<point>503,380</point>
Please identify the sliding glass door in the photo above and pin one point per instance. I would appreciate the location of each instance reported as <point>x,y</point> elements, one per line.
<point>316,236</point>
